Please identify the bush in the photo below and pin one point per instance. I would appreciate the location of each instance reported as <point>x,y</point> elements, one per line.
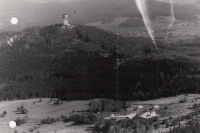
<point>4,112</point>
<point>24,111</point>
<point>44,121</point>
<point>19,109</point>
<point>166,107</point>
<point>189,116</point>
<point>183,101</point>
<point>155,119</point>
<point>20,121</point>
<point>53,120</point>
<point>49,120</point>
<point>164,121</point>
<point>92,119</point>
<point>127,104</point>
<point>167,125</point>
<point>174,123</point>
<point>81,119</point>
<point>63,118</point>
<point>195,106</point>
<point>183,118</point>
<point>3,115</point>
<point>157,125</point>
<point>26,118</point>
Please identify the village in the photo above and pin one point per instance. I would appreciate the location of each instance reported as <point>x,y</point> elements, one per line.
<point>144,113</point>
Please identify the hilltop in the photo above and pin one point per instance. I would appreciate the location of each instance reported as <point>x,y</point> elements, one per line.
<point>84,62</point>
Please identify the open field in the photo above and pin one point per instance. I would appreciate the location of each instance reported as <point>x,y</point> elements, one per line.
<point>38,112</point>
<point>44,109</point>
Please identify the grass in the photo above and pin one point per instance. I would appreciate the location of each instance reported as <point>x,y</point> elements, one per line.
<point>44,109</point>
<point>39,111</point>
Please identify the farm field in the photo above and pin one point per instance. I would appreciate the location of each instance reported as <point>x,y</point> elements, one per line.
<point>38,112</point>
<point>44,109</point>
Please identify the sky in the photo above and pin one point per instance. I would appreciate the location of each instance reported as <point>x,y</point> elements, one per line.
<point>48,12</point>
<point>33,12</point>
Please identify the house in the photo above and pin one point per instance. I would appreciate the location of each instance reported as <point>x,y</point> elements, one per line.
<point>139,107</point>
<point>130,116</point>
<point>109,117</point>
<point>155,107</point>
<point>130,109</point>
<point>148,114</point>
<point>153,113</point>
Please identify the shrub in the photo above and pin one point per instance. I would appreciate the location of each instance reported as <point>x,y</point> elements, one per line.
<point>189,116</point>
<point>19,121</point>
<point>166,107</point>
<point>4,112</point>
<point>92,119</point>
<point>44,121</point>
<point>63,118</point>
<point>19,109</point>
<point>157,125</point>
<point>49,120</point>
<point>155,119</point>
<point>2,115</point>
<point>52,120</point>
<point>26,119</point>
<point>183,101</point>
<point>24,111</point>
<point>81,119</point>
<point>109,123</point>
<point>195,106</point>
<point>57,119</point>
<point>174,123</point>
<point>127,104</point>
<point>164,121</point>
<point>149,128</point>
<point>183,118</point>
<point>167,125</point>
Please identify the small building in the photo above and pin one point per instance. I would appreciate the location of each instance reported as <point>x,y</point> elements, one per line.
<point>129,109</point>
<point>139,107</point>
<point>155,107</point>
<point>65,19</point>
<point>153,113</point>
<point>146,115</point>
<point>130,116</point>
<point>109,117</point>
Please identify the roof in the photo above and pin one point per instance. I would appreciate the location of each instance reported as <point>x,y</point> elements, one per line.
<point>146,114</point>
<point>140,106</point>
<point>131,115</point>
<point>156,106</point>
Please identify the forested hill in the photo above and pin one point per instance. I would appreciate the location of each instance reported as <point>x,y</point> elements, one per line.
<point>86,62</point>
